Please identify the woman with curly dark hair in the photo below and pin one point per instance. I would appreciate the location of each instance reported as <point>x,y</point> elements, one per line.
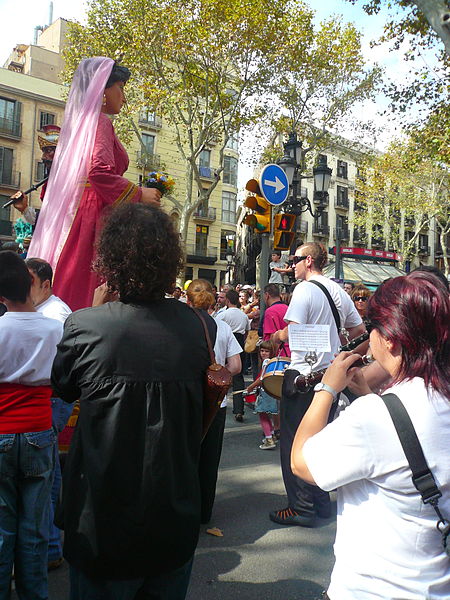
<point>131,495</point>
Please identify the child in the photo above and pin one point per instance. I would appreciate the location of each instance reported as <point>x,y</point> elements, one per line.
<point>266,405</point>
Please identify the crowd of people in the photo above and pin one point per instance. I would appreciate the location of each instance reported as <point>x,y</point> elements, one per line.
<point>94,318</point>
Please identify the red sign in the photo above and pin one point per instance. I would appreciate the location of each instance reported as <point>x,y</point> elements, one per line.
<point>366,252</point>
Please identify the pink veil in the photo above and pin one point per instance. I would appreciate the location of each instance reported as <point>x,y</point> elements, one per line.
<point>72,159</point>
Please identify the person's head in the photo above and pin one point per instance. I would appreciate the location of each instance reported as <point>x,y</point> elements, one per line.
<point>238,287</point>
<point>232,298</point>
<point>348,287</point>
<point>176,292</point>
<point>15,279</point>
<point>214,288</point>
<point>227,287</point>
<point>11,246</point>
<point>286,298</point>
<point>48,138</point>
<point>309,258</point>
<point>42,277</point>
<point>267,349</point>
<point>360,297</point>
<point>200,294</point>
<point>114,95</point>
<point>271,293</point>
<point>139,253</point>
<point>244,297</point>
<point>276,255</point>
<point>221,298</point>
<point>410,336</point>
<point>434,271</point>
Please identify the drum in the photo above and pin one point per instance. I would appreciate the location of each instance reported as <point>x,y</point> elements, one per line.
<point>272,380</point>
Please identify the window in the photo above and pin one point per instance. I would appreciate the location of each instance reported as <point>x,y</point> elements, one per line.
<point>149,142</point>
<point>5,217</point>
<point>40,171</point>
<point>149,118</point>
<point>10,116</point>
<point>6,160</point>
<point>201,240</point>
<point>204,158</point>
<point>342,169</point>
<point>227,243</point>
<point>228,207</point>
<point>233,142</point>
<point>342,196</point>
<point>230,168</point>
<point>423,242</point>
<point>46,118</point>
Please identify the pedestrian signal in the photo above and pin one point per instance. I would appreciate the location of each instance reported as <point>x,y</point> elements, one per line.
<point>261,216</point>
<point>284,233</point>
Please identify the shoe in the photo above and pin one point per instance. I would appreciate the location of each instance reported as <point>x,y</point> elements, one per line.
<point>268,444</point>
<point>239,418</point>
<point>55,564</point>
<point>289,516</point>
<point>277,434</point>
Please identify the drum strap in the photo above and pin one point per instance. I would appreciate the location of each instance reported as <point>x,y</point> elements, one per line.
<point>334,310</point>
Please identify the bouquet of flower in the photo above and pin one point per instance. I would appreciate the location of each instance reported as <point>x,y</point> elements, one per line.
<point>161,181</point>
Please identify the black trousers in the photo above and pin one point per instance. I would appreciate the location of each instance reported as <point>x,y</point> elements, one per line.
<point>238,380</point>
<point>208,466</point>
<point>302,496</point>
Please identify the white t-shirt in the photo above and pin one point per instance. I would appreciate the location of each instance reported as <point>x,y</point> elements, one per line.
<point>54,308</point>
<point>387,544</point>
<point>309,305</point>
<point>236,319</point>
<point>28,341</point>
<point>226,345</point>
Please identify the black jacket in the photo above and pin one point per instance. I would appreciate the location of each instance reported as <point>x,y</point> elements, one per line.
<point>130,501</point>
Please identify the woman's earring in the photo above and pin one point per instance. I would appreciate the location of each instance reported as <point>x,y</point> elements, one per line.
<point>104,101</point>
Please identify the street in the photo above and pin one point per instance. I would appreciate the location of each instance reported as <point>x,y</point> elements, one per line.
<point>255,558</point>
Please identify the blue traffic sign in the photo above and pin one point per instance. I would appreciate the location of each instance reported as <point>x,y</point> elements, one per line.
<point>274,184</point>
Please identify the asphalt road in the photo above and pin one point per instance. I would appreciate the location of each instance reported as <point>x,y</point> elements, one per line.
<point>255,559</point>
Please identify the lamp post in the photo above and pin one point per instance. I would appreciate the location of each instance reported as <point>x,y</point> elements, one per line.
<point>293,163</point>
<point>229,256</point>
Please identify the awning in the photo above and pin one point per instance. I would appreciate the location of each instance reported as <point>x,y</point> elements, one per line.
<point>370,273</point>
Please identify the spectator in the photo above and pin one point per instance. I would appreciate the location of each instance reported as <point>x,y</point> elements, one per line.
<point>131,491</point>
<point>348,287</point>
<point>360,297</point>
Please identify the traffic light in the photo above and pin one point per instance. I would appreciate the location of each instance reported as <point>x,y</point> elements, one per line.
<point>261,218</point>
<point>283,235</point>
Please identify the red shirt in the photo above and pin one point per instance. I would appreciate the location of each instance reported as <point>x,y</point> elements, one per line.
<point>274,321</point>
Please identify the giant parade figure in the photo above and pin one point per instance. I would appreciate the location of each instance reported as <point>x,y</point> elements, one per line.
<point>85,180</point>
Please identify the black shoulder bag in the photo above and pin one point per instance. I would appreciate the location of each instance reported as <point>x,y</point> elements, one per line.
<point>422,477</point>
<point>334,310</point>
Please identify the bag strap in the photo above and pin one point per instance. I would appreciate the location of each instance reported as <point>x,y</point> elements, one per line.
<point>212,356</point>
<point>334,310</point>
<point>422,477</point>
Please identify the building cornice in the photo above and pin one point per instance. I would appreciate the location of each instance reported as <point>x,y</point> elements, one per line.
<point>6,89</point>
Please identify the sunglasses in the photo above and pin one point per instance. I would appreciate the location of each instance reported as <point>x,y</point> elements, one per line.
<point>298,259</point>
<point>361,299</point>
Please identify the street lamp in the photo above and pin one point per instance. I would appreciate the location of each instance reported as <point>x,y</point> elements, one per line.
<point>230,257</point>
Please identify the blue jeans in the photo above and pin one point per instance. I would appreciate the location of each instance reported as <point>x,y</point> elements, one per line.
<point>26,467</point>
<point>61,412</point>
<point>169,586</point>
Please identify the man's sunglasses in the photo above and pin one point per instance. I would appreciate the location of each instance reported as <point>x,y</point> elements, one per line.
<point>298,259</point>
<point>361,298</point>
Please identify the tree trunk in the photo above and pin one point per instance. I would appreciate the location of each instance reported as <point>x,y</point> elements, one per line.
<point>437,14</point>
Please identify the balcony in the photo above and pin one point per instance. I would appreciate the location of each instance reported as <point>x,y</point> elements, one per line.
<point>10,179</point>
<point>207,173</point>
<point>150,121</point>
<point>320,199</point>
<point>377,243</point>
<point>199,255</point>
<point>205,214</point>
<point>341,203</point>
<point>323,230</point>
<point>10,128</point>
<point>344,233</point>
<point>424,250</point>
<point>145,160</point>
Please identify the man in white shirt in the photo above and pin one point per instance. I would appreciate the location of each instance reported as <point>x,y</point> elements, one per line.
<point>49,305</point>
<point>240,324</point>
<point>309,305</point>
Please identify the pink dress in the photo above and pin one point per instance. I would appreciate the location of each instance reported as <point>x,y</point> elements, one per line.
<point>74,281</point>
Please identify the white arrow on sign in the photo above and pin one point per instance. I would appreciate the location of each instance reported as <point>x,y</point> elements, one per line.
<point>277,184</point>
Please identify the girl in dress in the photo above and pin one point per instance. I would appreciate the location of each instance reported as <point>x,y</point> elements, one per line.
<point>266,405</point>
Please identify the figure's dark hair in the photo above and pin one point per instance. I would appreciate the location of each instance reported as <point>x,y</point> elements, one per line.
<point>15,279</point>
<point>139,253</point>
<point>268,345</point>
<point>318,253</point>
<point>277,252</point>
<point>434,271</point>
<point>272,289</point>
<point>413,312</point>
<point>233,297</point>
<point>118,73</point>
<point>40,268</point>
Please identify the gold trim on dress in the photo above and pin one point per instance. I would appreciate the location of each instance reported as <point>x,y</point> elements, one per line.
<point>127,194</point>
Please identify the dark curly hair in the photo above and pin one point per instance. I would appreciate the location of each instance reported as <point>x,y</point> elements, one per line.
<point>139,253</point>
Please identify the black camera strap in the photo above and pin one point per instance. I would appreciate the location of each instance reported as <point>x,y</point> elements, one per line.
<point>422,477</point>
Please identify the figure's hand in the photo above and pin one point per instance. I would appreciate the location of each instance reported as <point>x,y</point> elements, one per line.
<point>357,383</point>
<point>21,203</point>
<point>103,294</point>
<point>151,196</point>
<point>337,375</point>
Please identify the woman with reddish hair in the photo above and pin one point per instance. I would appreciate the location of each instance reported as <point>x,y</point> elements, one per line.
<point>387,544</point>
